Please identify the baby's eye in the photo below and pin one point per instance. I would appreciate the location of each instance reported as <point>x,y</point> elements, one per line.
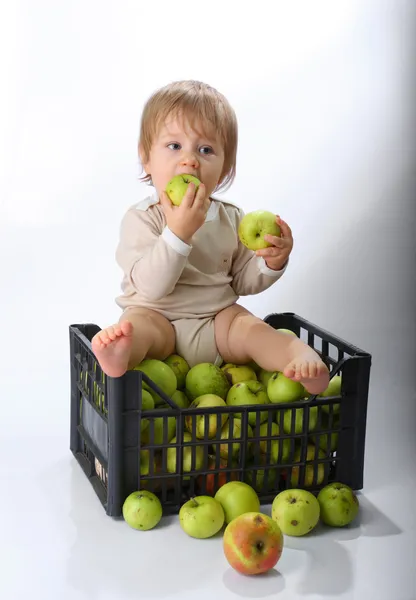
<point>206,150</point>
<point>174,146</point>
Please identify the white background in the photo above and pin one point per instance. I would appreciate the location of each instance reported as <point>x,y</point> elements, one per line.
<point>323,92</point>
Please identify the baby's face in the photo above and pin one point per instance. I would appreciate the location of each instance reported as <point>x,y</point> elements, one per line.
<point>179,149</point>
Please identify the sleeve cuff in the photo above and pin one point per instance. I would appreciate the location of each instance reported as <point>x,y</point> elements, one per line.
<point>174,242</point>
<point>264,269</point>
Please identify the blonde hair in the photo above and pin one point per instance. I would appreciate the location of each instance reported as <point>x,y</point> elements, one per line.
<point>200,103</point>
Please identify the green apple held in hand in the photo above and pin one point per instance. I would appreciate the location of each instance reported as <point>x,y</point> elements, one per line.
<point>246,393</point>
<point>254,226</point>
<point>282,389</point>
<point>253,543</point>
<point>209,421</point>
<point>142,510</point>
<point>206,378</point>
<point>177,186</point>
<point>201,517</point>
<point>180,367</point>
<point>296,512</point>
<point>339,505</point>
<point>237,498</point>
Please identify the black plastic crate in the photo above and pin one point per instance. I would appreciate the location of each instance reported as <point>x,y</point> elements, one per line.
<point>120,455</point>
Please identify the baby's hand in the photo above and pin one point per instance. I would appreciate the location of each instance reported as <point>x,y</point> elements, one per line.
<point>278,253</point>
<point>185,220</point>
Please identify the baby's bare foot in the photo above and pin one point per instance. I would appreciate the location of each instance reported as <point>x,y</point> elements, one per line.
<point>112,348</point>
<point>312,373</point>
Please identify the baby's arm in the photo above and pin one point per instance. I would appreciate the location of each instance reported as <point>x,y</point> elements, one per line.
<point>250,273</point>
<point>150,255</point>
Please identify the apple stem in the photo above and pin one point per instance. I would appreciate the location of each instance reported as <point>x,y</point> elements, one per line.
<point>194,501</point>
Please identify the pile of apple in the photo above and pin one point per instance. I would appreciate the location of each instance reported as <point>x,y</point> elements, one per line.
<point>206,386</point>
<point>252,540</point>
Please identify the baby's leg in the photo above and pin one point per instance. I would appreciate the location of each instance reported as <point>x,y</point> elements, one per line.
<point>242,337</point>
<point>140,333</point>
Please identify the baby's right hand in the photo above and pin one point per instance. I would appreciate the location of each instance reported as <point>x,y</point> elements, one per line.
<point>185,220</point>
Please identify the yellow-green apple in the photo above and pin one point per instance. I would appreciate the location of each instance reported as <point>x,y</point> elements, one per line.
<point>253,365</point>
<point>246,393</point>
<point>160,430</point>
<point>333,389</point>
<point>310,467</point>
<point>296,415</point>
<point>147,404</point>
<point>254,226</point>
<point>326,441</point>
<point>339,505</point>
<point>181,399</point>
<point>253,543</point>
<point>237,373</point>
<point>262,479</point>
<point>187,454</point>
<point>208,422</point>
<point>177,186</point>
<point>161,374</point>
<point>142,510</point>
<point>289,331</point>
<point>180,367</point>
<point>296,512</point>
<point>201,517</point>
<point>227,433</point>
<point>206,378</point>
<point>263,376</point>
<point>237,498</point>
<point>282,389</point>
<point>274,443</point>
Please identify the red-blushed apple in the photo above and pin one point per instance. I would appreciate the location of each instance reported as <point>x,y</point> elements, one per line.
<point>253,543</point>
<point>177,186</point>
<point>254,226</point>
<point>221,476</point>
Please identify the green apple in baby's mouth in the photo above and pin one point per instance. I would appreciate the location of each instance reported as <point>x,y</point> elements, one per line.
<point>254,226</point>
<point>177,186</point>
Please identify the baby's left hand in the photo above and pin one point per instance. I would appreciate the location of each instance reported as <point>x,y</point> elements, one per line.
<point>278,253</point>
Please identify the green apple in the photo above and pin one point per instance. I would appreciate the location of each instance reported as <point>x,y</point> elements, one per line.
<point>254,226</point>
<point>333,389</point>
<point>159,426</point>
<point>237,498</point>
<point>246,393</point>
<point>282,389</point>
<point>274,444</point>
<point>237,373</point>
<point>296,512</point>
<point>326,441</point>
<point>296,415</point>
<point>180,367</point>
<point>161,374</point>
<point>211,421</point>
<point>187,452</point>
<point>253,365</point>
<point>180,399</point>
<point>287,331</point>
<point>177,186</point>
<point>339,505</point>
<point>201,517</point>
<point>206,378</point>
<point>227,448</point>
<point>263,376</point>
<point>321,468</point>
<point>142,510</point>
<point>147,404</point>
<point>262,480</point>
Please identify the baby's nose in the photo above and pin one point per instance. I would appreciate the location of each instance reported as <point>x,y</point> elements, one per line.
<point>189,159</point>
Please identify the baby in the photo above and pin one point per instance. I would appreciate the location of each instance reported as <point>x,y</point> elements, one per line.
<point>184,266</point>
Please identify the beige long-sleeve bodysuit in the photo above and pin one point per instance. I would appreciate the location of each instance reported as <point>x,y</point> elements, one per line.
<point>189,285</point>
